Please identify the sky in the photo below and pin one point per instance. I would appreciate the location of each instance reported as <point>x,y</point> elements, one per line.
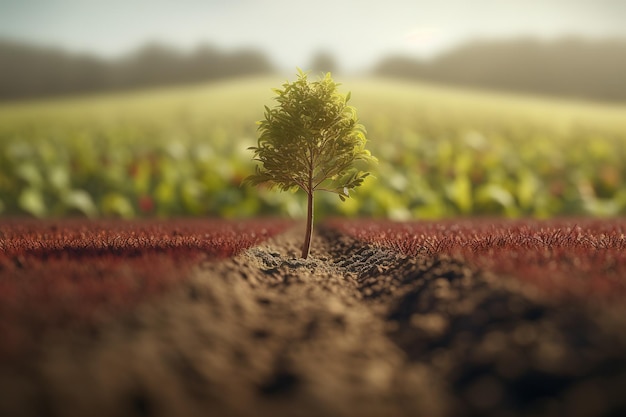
<point>358,33</point>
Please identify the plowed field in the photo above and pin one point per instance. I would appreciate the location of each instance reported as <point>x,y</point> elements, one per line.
<point>361,328</point>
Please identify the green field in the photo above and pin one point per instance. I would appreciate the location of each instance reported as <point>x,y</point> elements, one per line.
<point>182,151</point>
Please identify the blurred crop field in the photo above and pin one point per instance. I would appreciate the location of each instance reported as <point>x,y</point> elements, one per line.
<point>182,151</point>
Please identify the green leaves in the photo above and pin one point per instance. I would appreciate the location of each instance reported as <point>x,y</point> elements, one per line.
<point>183,152</point>
<point>310,140</point>
<point>31,201</point>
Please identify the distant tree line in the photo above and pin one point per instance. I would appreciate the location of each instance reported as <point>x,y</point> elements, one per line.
<point>28,71</point>
<point>567,67</point>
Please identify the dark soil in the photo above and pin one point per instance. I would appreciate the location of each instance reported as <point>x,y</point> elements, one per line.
<point>354,330</point>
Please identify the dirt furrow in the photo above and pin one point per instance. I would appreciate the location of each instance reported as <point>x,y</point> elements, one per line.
<point>353,330</point>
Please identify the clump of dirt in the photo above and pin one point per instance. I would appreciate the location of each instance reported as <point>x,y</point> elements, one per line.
<point>353,330</point>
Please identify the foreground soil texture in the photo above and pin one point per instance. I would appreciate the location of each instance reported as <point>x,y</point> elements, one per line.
<point>455,318</point>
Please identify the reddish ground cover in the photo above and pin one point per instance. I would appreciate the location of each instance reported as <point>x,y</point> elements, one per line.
<point>67,272</point>
<point>562,257</point>
<point>356,329</point>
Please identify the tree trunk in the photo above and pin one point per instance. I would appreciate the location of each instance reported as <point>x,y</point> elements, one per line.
<point>309,227</point>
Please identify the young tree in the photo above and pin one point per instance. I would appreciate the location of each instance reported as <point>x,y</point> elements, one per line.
<point>310,140</point>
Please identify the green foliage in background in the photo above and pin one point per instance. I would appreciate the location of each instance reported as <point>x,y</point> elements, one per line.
<point>442,152</point>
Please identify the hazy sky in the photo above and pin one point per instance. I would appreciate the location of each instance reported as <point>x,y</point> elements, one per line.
<point>357,33</point>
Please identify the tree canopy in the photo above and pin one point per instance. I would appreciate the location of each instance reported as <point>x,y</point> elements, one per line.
<point>311,140</point>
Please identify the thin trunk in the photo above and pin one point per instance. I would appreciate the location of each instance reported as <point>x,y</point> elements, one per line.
<point>309,226</point>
